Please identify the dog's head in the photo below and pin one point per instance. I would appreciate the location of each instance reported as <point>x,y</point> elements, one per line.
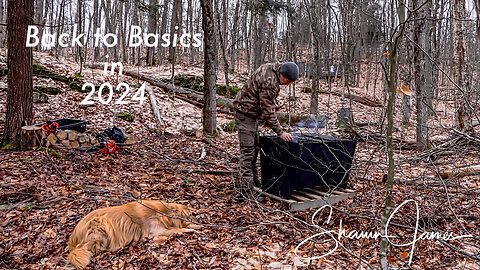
<point>171,209</point>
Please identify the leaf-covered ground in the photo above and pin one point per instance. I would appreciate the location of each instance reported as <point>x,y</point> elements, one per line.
<point>43,196</point>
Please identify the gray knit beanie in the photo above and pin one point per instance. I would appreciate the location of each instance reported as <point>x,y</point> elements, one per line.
<point>289,70</point>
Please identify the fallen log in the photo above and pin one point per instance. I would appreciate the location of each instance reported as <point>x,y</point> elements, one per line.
<point>191,94</point>
<point>188,95</point>
<point>460,172</point>
<point>42,72</point>
<point>156,112</point>
<point>363,100</point>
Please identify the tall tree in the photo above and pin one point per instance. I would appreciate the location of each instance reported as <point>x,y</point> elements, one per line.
<point>314,26</point>
<point>175,26</point>
<point>163,28</point>
<point>210,68</point>
<point>19,61</point>
<point>477,10</point>
<point>39,20</point>
<point>393,45</point>
<point>2,22</point>
<point>420,37</point>
<point>96,22</point>
<point>152,29</point>
<point>223,38</point>
<point>462,112</point>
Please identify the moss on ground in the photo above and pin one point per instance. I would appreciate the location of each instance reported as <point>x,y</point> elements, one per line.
<point>127,116</point>
<point>222,90</point>
<point>43,72</point>
<point>51,152</point>
<point>190,82</point>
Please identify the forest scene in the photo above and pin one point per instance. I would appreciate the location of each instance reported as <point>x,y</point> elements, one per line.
<point>131,132</point>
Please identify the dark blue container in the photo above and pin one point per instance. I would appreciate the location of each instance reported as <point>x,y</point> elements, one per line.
<point>311,160</point>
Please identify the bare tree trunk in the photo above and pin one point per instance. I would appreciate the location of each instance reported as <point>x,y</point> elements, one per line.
<point>3,28</point>
<point>60,17</point>
<point>429,81</point>
<point>38,19</point>
<point>247,33</point>
<point>19,58</point>
<point>259,40</point>
<point>122,28</point>
<point>420,76</point>
<point>174,30</point>
<point>135,51</point>
<point>394,45</point>
<point>462,112</point>
<point>190,28</point>
<point>163,29</point>
<point>477,10</point>
<point>96,19</point>
<point>314,27</point>
<point>222,36</point>
<point>408,71</point>
<point>152,29</point>
<point>210,67</point>
<point>234,35</point>
<point>80,30</point>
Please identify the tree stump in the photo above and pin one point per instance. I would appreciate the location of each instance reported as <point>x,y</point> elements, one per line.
<point>31,136</point>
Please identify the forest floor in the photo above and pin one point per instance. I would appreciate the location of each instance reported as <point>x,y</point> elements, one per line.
<point>43,197</point>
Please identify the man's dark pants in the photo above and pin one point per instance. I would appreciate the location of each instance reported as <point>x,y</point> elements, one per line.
<point>247,127</point>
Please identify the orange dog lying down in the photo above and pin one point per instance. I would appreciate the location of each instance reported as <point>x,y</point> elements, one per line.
<point>112,228</point>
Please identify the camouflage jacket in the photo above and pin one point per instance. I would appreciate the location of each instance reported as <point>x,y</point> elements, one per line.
<point>258,96</point>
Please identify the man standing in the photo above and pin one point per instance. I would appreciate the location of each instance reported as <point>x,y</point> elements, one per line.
<point>256,101</point>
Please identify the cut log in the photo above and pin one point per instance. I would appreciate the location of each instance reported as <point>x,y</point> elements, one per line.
<point>74,144</point>
<point>156,112</point>
<point>30,137</point>
<point>86,144</point>
<point>460,172</point>
<point>72,135</point>
<point>61,135</point>
<point>66,143</point>
<point>51,138</point>
<point>82,138</point>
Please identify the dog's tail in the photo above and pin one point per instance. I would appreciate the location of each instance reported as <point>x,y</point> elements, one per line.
<point>79,257</point>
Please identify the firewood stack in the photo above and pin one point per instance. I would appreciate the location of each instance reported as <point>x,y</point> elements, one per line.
<point>33,136</point>
<point>69,139</point>
<point>73,139</point>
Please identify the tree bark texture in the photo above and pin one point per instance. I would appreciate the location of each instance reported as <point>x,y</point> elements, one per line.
<point>462,117</point>
<point>421,87</point>
<point>152,28</point>
<point>20,71</point>
<point>210,67</point>
<point>39,20</point>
